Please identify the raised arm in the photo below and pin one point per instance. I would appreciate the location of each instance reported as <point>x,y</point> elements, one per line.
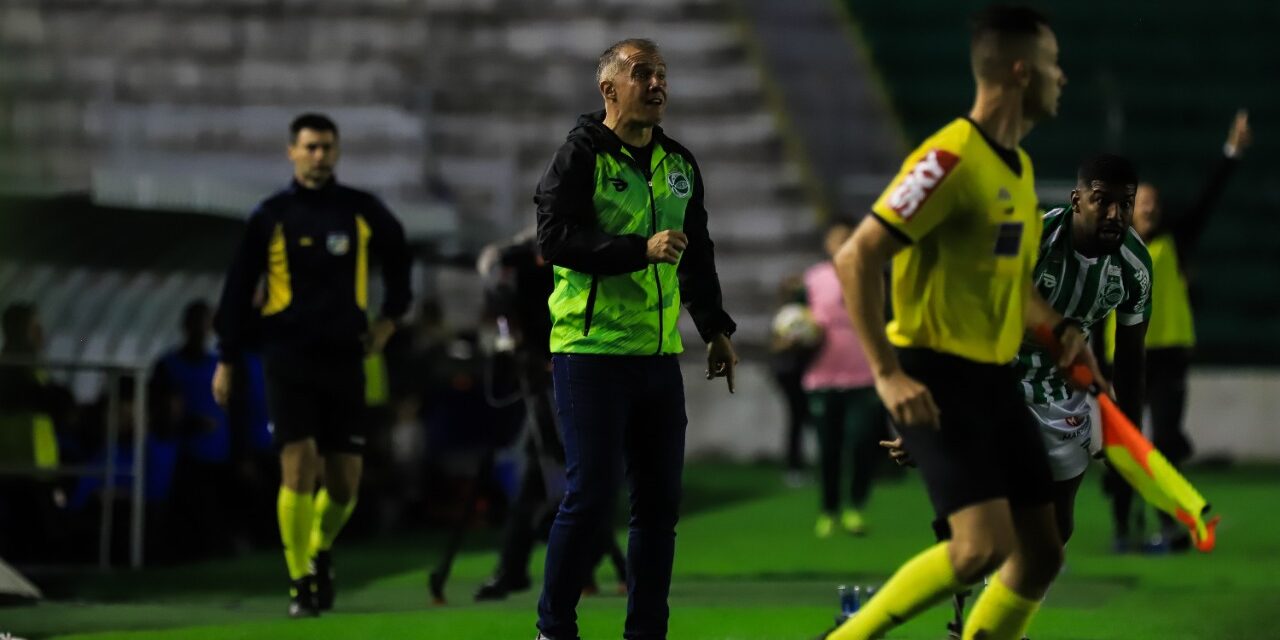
<point>1190,223</point>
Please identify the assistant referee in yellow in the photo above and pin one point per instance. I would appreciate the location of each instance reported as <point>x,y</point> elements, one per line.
<point>962,226</point>
<point>313,242</point>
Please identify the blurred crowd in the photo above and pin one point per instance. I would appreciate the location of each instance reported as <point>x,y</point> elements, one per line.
<point>440,401</point>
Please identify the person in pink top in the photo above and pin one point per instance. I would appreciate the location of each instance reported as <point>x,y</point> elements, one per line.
<point>842,396</point>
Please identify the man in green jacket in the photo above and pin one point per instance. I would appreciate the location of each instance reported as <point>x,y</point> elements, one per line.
<point>621,219</point>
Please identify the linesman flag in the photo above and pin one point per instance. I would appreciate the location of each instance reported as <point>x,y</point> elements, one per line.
<point>1143,466</point>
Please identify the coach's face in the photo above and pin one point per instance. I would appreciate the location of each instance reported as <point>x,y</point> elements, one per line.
<point>639,90</point>
<point>1146,211</point>
<point>314,155</point>
<point>1106,211</point>
<point>1046,78</point>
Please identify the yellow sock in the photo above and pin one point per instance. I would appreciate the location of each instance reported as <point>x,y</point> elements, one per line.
<point>999,613</point>
<point>918,584</point>
<point>295,512</point>
<point>330,517</point>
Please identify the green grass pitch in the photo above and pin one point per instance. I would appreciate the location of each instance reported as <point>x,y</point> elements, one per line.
<point>747,568</point>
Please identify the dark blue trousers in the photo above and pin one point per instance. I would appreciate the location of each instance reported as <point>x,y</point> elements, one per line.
<point>620,417</point>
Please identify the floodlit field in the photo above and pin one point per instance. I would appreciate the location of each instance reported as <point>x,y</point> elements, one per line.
<point>747,568</point>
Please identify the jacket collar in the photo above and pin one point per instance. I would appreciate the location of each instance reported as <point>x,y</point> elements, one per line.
<point>592,125</point>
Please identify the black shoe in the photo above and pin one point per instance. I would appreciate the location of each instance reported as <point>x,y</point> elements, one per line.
<point>322,573</point>
<point>302,599</point>
<point>500,586</point>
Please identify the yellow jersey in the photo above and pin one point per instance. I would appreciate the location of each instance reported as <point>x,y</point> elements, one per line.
<point>973,228</point>
<point>1171,321</point>
<point>1172,325</point>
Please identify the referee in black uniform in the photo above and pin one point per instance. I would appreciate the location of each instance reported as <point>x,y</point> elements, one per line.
<point>312,243</point>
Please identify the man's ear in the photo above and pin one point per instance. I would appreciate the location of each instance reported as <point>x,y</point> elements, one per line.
<point>1021,73</point>
<point>608,91</point>
<point>1075,201</point>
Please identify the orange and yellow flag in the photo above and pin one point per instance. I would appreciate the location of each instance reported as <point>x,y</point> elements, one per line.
<point>1140,463</point>
<point>1151,474</point>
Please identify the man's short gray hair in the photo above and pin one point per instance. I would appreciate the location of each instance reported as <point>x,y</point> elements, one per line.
<point>612,59</point>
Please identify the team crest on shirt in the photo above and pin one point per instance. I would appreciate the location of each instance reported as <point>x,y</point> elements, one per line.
<point>921,181</point>
<point>338,243</point>
<point>678,184</point>
<point>1113,290</point>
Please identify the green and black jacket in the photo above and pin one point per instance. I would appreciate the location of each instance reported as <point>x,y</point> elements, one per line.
<point>597,208</point>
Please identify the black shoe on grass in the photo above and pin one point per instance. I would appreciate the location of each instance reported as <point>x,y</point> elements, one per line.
<point>302,598</point>
<point>322,573</point>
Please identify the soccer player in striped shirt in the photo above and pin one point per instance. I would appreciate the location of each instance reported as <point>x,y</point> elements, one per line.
<point>1091,263</point>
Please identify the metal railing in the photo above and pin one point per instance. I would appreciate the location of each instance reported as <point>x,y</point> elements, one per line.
<point>137,493</point>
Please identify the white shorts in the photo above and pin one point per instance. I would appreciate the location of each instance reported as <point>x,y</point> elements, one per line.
<point>1067,429</point>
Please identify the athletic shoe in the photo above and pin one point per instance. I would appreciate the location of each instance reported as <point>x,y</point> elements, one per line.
<point>499,587</point>
<point>852,522</point>
<point>322,571</point>
<point>302,599</point>
<point>825,526</point>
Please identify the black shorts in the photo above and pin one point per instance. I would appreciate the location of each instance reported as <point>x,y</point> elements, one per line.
<point>989,444</point>
<point>320,400</point>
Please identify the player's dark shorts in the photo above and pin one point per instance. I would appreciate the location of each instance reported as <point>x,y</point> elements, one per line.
<point>318,398</point>
<point>988,446</point>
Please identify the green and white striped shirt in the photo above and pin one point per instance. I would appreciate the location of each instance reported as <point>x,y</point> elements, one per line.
<point>1086,290</point>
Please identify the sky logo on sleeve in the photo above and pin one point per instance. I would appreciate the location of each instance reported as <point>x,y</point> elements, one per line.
<point>921,181</point>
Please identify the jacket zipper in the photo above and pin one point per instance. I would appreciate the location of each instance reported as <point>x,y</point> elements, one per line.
<point>591,306</point>
<point>657,279</point>
<point>653,229</point>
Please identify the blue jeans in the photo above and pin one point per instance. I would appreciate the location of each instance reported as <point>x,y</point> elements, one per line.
<point>620,416</point>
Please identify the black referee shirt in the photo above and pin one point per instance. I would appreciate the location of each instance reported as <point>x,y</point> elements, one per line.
<point>312,249</point>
